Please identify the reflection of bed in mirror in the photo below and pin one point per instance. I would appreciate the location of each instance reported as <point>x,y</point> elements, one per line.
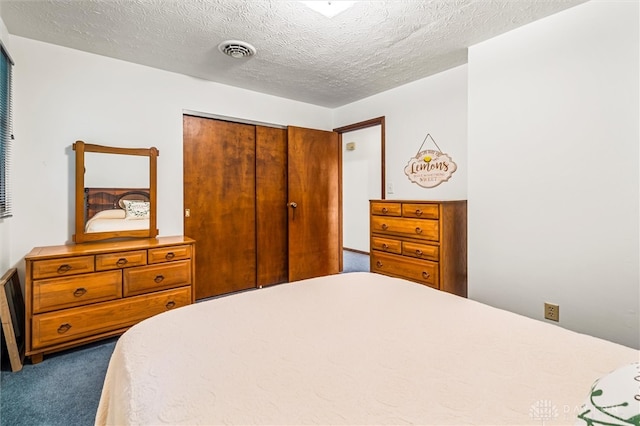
<point>116,209</point>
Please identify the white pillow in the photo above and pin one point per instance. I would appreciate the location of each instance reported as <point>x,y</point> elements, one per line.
<point>614,399</point>
<point>110,214</point>
<point>136,209</point>
<point>121,202</point>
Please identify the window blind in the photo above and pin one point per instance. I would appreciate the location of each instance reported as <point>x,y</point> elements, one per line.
<point>6,132</point>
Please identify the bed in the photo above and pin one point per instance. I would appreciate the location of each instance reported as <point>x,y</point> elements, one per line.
<point>116,209</point>
<point>355,348</point>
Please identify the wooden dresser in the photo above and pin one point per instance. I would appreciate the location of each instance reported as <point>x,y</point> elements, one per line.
<point>75,294</point>
<point>421,241</point>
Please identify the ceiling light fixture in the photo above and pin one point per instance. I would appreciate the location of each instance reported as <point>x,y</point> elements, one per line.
<point>329,8</point>
<point>237,49</point>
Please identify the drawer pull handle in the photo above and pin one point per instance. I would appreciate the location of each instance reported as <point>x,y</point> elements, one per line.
<point>170,304</point>
<point>379,264</point>
<point>64,328</point>
<point>418,212</point>
<point>159,278</point>
<point>121,262</point>
<point>170,256</point>
<point>385,246</point>
<point>419,252</point>
<point>384,210</point>
<point>64,268</point>
<point>384,227</point>
<point>80,292</point>
<point>418,231</point>
<point>425,275</point>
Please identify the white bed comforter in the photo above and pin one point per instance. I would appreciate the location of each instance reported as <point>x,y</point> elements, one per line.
<point>353,348</point>
<point>114,220</point>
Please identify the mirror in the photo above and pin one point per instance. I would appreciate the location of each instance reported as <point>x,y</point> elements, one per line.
<point>115,192</point>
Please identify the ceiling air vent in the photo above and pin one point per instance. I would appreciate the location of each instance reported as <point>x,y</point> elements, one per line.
<point>237,49</point>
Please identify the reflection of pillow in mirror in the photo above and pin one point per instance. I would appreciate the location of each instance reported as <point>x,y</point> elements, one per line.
<point>136,209</point>
<point>121,202</point>
<point>110,214</point>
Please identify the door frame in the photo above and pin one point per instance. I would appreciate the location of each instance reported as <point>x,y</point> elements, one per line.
<point>349,128</point>
<point>363,125</point>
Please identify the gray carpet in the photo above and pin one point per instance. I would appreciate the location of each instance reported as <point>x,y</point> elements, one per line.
<point>355,262</point>
<point>65,388</point>
<point>62,390</point>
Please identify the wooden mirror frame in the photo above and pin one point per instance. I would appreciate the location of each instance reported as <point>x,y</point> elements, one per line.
<point>81,236</point>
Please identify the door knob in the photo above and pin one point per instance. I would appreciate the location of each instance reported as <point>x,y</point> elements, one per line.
<point>293,205</point>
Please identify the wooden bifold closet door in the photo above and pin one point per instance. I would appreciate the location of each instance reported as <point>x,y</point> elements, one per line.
<point>237,187</point>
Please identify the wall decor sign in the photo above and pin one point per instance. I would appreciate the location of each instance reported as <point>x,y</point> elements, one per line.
<point>429,168</point>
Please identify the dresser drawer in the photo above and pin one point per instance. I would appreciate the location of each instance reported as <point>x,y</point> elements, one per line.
<point>62,267</point>
<point>386,244</point>
<point>58,293</point>
<point>75,323</point>
<point>156,277</point>
<point>422,271</point>
<point>421,211</point>
<point>168,254</point>
<point>125,259</point>
<point>423,229</point>
<point>386,209</point>
<point>421,251</point>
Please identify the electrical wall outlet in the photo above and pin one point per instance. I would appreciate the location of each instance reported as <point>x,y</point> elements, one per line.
<point>552,311</point>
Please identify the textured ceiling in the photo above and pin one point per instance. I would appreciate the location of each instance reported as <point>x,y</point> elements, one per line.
<point>301,55</point>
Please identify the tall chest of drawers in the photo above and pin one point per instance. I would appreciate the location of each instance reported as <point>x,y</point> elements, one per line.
<point>421,241</point>
<point>76,294</point>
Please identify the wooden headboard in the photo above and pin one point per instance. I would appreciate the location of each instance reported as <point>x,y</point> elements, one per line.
<point>98,199</point>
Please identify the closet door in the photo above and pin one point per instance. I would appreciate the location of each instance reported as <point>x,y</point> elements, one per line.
<point>314,203</point>
<point>271,205</point>
<point>220,194</point>
<point>240,183</point>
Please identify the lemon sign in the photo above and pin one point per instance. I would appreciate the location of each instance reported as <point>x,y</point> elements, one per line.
<point>429,168</point>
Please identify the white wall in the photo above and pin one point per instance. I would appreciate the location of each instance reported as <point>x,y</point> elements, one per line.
<point>435,105</point>
<point>63,95</point>
<point>361,182</point>
<point>553,169</point>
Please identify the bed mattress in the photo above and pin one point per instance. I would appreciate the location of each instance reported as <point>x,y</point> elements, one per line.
<point>355,348</point>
